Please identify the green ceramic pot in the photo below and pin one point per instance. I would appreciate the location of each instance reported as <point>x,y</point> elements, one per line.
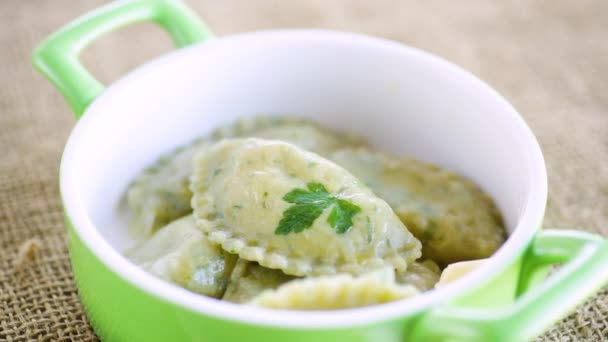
<point>402,99</point>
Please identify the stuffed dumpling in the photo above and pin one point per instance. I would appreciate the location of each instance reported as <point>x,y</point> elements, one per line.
<point>161,193</point>
<point>289,209</point>
<point>300,132</point>
<point>180,253</point>
<point>450,215</point>
<point>339,291</point>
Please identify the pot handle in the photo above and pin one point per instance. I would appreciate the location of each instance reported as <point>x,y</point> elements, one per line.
<point>585,271</point>
<point>57,56</point>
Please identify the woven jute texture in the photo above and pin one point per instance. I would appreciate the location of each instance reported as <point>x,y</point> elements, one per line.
<point>549,58</point>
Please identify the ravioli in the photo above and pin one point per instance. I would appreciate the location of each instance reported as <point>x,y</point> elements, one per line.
<point>286,214</point>
<point>181,254</point>
<point>340,291</point>
<point>450,215</point>
<point>161,193</point>
<point>248,279</point>
<point>300,132</point>
<point>240,189</point>
<point>422,274</point>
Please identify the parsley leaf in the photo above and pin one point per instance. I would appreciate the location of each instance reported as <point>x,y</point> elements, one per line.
<point>299,217</point>
<point>301,196</point>
<point>309,204</point>
<point>316,187</point>
<point>341,216</point>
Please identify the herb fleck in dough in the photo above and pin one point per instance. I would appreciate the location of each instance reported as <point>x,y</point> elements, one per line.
<point>180,253</point>
<point>233,209</point>
<point>450,215</point>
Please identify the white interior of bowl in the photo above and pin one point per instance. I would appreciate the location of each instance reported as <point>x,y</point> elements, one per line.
<point>401,99</point>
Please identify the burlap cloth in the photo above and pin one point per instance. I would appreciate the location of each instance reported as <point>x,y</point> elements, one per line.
<point>550,58</point>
